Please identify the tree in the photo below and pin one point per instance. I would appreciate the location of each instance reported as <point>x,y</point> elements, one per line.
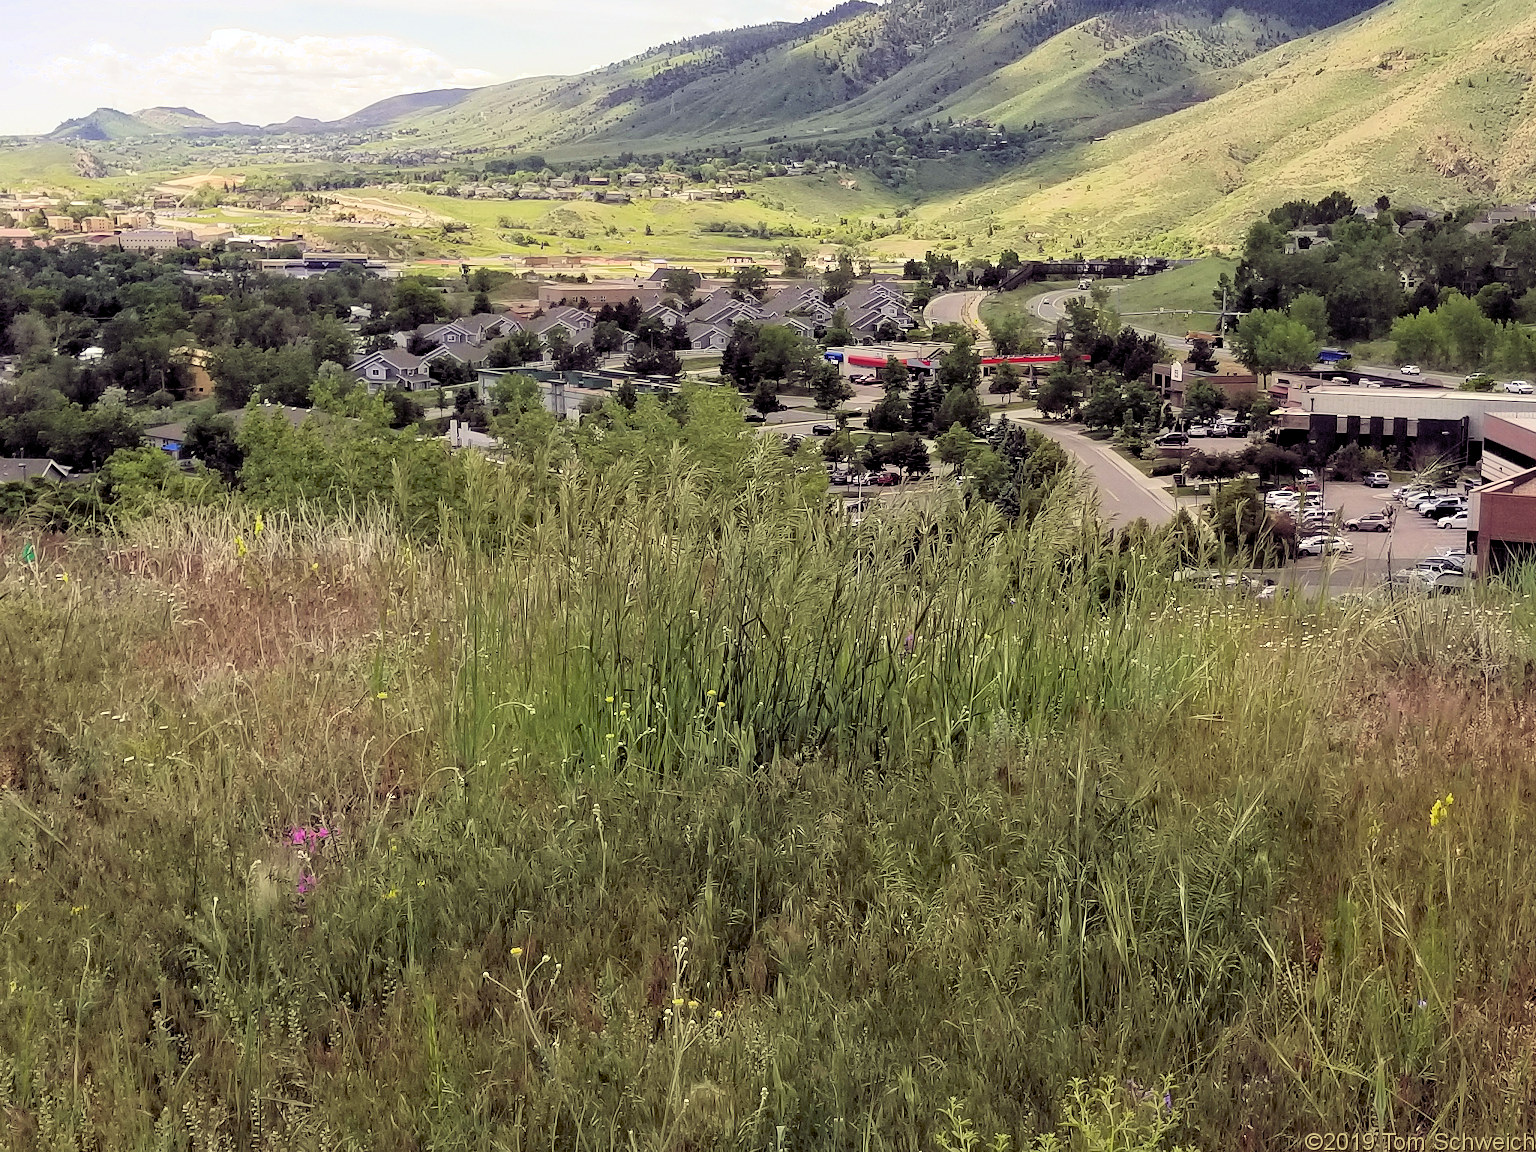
<point>960,406</point>
<point>839,280</point>
<point>766,398</point>
<point>1262,413</point>
<point>828,386</point>
<point>891,412</point>
<point>1203,402</point>
<point>682,283</point>
<point>212,440</point>
<point>1312,310</point>
<point>1269,341</point>
<point>1202,357</point>
<point>30,333</point>
<point>922,408</point>
<point>649,360</point>
<point>749,281</point>
<point>907,452</point>
<point>838,334</point>
<point>449,372</point>
<point>330,341</point>
<point>1008,334</point>
<point>1245,526</point>
<point>960,366</point>
<point>1060,393</point>
<point>607,337</point>
<point>793,258</point>
<point>1005,380</point>
<point>515,350</point>
<point>955,446</point>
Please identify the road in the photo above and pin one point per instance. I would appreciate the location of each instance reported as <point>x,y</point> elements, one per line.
<point>1124,493</point>
<point>957,308</point>
<point>1051,307</point>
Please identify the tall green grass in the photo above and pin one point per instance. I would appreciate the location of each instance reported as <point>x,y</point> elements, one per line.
<point>663,814</point>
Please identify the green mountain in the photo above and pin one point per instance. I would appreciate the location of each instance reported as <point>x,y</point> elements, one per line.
<point>104,124</point>
<point>1418,101</point>
<point>1088,65</point>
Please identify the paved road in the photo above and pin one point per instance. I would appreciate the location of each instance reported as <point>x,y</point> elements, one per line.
<point>957,308</point>
<point>1124,493</point>
<point>1051,307</point>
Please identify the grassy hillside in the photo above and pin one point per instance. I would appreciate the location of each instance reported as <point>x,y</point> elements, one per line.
<point>859,68</point>
<point>635,800</point>
<point>1414,101</point>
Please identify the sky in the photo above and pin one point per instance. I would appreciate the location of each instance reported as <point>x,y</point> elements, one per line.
<point>263,61</point>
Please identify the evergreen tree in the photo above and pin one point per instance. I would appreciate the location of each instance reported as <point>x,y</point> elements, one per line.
<point>922,408</point>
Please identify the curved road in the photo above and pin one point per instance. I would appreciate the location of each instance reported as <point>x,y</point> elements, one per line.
<point>1051,307</point>
<point>957,308</point>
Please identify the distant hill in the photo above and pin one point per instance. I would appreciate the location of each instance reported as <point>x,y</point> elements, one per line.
<point>1415,101</point>
<point>860,67</point>
<point>384,112</point>
<point>104,124</point>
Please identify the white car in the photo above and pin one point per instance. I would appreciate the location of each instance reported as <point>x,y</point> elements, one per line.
<point>1410,370</point>
<point>1319,545</point>
<point>1459,520</point>
<point>1519,387</point>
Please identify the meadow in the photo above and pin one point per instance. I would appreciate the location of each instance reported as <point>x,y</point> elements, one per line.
<point>634,799</point>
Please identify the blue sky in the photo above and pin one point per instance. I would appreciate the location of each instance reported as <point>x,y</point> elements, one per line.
<point>266,60</point>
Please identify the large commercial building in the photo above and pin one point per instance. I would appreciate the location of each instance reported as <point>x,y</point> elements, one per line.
<point>1409,422</point>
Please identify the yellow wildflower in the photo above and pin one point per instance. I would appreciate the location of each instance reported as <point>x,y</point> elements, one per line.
<point>517,952</point>
<point>260,526</point>
<point>240,548</point>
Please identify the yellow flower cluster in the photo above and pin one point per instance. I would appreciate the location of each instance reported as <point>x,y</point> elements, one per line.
<point>1441,812</point>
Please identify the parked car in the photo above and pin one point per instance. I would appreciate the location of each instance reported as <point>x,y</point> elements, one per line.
<point>755,418</point>
<point>886,479</point>
<point>1172,440</point>
<point>1462,519</point>
<point>1370,522</point>
<point>1280,494</point>
<point>1410,370</point>
<point>1321,545</point>
<point>822,429</point>
<point>1367,382</point>
<point>1306,475</point>
<point>1519,387</point>
<point>1434,510</point>
<point>1377,480</point>
<point>1238,428</point>
<point>1203,430</point>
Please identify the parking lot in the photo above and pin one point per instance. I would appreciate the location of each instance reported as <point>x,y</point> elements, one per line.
<point>1412,538</point>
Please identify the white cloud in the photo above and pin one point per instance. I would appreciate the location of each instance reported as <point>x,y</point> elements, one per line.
<point>239,75</point>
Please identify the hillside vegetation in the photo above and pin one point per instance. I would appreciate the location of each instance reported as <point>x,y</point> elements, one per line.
<point>1415,100</point>
<point>857,68</point>
<point>623,796</point>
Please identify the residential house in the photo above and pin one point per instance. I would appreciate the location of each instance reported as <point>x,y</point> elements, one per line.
<point>17,469</point>
<point>708,337</point>
<point>169,437</point>
<point>473,355</point>
<point>636,179</point>
<point>392,367</point>
<point>664,315</point>
<point>573,320</point>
